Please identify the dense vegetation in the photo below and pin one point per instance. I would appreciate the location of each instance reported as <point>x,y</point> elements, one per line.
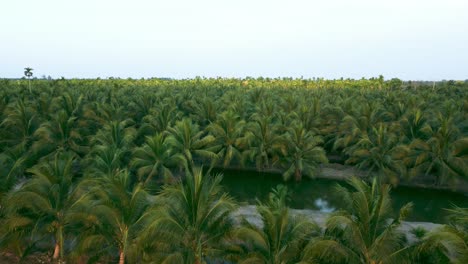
<point>82,164</point>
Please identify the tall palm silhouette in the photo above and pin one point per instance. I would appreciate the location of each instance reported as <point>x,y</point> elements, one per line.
<point>28,73</point>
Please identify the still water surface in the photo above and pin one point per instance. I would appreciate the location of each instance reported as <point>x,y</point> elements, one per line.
<point>319,194</point>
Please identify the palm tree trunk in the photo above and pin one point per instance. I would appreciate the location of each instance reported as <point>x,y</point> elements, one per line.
<point>197,260</point>
<point>197,252</point>
<point>148,179</point>
<point>82,260</point>
<point>297,175</point>
<point>122,258</point>
<point>56,250</point>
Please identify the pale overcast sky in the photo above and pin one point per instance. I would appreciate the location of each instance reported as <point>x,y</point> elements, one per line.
<point>408,39</point>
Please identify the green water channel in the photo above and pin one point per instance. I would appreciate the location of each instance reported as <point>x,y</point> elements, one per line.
<point>319,195</point>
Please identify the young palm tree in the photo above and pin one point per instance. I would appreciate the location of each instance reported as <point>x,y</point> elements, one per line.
<point>61,133</point>
<point>141,105</point>
<point>205,111</point>
<point>310,117</point>
<point>379,152</point>
<point>45,202</point>
<point>458,159</point>
<point>115,209</point>
<point>158,120</point>
<point>358,123</point>
<point>12,166</point>
<point>70,102</point>
<point>228,130</point>
<point>303,154</point>
<point>364,232</point>
<point>156,158</point>
<point>119,134</point>
<point>280,239</point>
<point>442,154</point>
<point>105,161</point>
<point>448,244</point>
<point>20,123</point>
<point>265,142</point>
<point>415,126</point>
<point>192,223</point>
<point>187,138</point>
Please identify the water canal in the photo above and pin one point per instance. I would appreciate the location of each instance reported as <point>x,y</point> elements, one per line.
<point>319,194</point>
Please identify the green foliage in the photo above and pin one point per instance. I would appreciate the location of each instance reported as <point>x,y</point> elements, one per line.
<point>364,232</point>
<point>188,139</point>
<point>113,211</point>
<point>282,236</point>
<point>303,154</point>
<point>156,158</point>
<point>43,207</point>
<point>77,158</point>
<point>193,221</point>
<point>448,244</point>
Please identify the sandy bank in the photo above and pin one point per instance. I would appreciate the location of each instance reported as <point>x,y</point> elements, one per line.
<point>249,212</point>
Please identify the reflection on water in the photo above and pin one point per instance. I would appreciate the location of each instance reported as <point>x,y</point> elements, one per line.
<point>323,206</point>
<point>320,195</point>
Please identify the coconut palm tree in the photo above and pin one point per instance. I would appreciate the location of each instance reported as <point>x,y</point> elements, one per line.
<point>379,151</point>
<point>205,111</point>
<point>358,123</point>
<point>44,205</point>
<point>415,126</point>
<point>310,117</point>
<point>193,222</point>
<point>159,119</point>
<point>458,159</point>
<point>265,143</point>
<point>187,138</point>
<point>28,73</point>
<point>102,112</point>
<point>20,123</point>
<point>448,244</point>
<point>228,131</point>
<point>443,154</point>
<point>280,238</point>
<point>104,161</point>
<point>303,154</point>
<point>141,105</point>
<point>12,166</point>
<point>364,232</point>
<point>70,102</point>
<point>156,158</point>
<point>62,132</point>
<point>115,210</point>
<point>119,134</point>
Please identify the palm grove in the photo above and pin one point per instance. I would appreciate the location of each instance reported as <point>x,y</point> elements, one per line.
<point>109,170</point>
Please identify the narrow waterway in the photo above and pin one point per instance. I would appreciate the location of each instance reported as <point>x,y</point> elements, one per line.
<point>320,195</point>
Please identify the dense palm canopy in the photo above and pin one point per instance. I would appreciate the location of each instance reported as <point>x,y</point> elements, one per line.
<point>78,158</point>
